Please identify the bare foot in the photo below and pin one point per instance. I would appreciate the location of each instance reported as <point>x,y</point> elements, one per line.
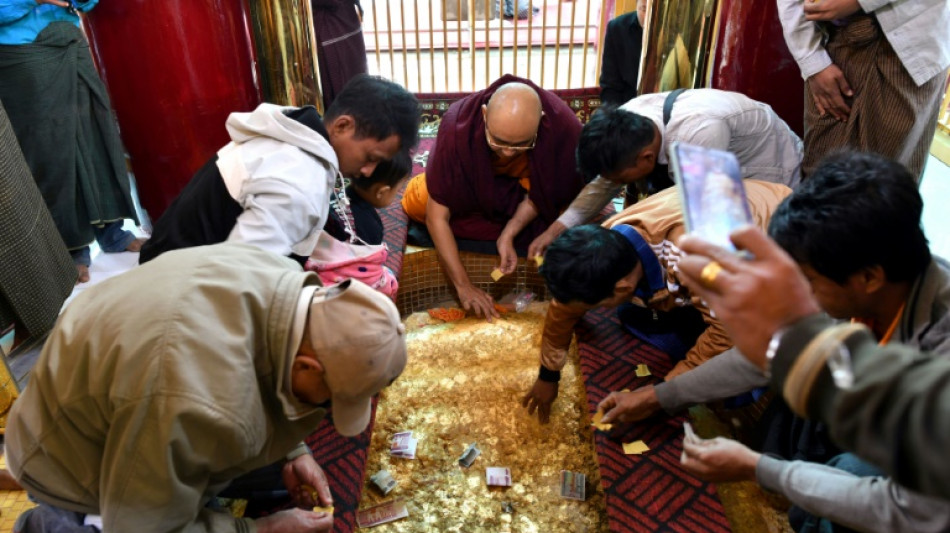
<point>82,272</point>
<point>136,245</point>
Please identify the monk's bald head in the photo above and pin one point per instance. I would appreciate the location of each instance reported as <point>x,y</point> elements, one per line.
<point>513,114</point>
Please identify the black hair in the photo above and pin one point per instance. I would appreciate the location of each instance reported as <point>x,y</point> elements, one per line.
<point>611,141</point>
<point>585,263</point>
<point>389,172</point>
<point>380,108</point>
<point>856,210</point>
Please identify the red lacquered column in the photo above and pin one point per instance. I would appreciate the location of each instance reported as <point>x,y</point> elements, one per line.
<point>175,69</point>
<point>751,57</point>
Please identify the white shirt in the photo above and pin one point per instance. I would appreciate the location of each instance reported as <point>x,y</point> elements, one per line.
<point>282,173</point>
<point>918,30</point>
<point>767,149</point>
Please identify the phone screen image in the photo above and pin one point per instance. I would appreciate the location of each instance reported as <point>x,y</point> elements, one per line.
<point>711,190</point>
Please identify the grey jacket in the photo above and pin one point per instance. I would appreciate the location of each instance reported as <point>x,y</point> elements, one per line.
<point>866,504</point>
<point>158,387</point>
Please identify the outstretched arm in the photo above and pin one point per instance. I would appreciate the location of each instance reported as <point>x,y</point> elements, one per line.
<point>559,325</point>
<point>525,213</point>
<point>472,298</point>
<point>589,202</point>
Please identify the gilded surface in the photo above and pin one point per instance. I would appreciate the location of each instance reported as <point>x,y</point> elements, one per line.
<point>286,53</point>
<point>677,45</point>
<point>463,384</point>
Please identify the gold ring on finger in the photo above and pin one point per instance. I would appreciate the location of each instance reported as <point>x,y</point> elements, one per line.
<point>709,274</point>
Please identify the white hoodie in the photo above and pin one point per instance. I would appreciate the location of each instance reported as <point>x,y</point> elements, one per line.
<point>282,174</point>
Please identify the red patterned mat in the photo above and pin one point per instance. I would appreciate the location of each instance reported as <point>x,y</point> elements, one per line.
<point>648,492</point>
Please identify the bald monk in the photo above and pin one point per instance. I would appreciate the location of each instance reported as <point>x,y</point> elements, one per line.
<point>502,171</point>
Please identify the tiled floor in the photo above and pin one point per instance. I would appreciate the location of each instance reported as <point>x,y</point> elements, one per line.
<point>12,503</point>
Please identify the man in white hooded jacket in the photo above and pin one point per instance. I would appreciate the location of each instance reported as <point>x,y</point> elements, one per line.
<point>271,185</point>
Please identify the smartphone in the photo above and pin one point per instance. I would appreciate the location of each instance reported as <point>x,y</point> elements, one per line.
<point>711,191</point>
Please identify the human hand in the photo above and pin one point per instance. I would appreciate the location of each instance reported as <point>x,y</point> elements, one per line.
<point>540,398</point>
<point>719,459</point>
<point>629,406</point>
<point>753,298</point>
<point>301,477</point>
<point>830,9</point>
<point>295,521</point>
<point>477,301</point>
<point>60,3</point>
<point>829,89</point>
<point>507,255</point>
<point>540,243</point>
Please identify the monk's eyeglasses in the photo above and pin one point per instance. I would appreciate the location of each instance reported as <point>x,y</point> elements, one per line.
<point>518,147</point>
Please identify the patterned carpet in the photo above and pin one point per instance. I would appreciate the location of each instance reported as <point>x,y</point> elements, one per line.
<point>648,492</point>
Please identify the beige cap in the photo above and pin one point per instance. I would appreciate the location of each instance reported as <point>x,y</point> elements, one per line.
<point>361,343</point>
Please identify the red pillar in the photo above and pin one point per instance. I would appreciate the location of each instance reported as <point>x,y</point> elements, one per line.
<point>751,58</point>
<point>175,69</point>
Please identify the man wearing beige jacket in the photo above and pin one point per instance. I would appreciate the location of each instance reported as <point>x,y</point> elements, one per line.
<point>159,387</point>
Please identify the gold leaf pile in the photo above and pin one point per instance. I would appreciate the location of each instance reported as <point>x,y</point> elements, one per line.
<point>464,383</point>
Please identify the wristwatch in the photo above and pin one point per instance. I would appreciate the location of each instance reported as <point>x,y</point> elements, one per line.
<point>772,349</point>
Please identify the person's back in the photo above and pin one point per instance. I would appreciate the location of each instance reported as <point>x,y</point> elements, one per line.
<point>142,409</point>
<point>630,145</point>
<point>208,208</point>
<point>766,147</point>
<point>116,389</point>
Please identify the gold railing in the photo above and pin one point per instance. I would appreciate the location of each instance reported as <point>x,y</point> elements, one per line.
<point>436,46</point>
<point>283,35</point>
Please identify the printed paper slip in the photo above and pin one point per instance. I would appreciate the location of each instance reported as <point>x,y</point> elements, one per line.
<point>384,481</point>
<point>403,445</point>
<point>382,513</point>
<point>498,476</point>
<point>573,485</point>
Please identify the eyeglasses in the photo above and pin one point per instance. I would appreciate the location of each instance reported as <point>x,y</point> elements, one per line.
<point>519,147</point>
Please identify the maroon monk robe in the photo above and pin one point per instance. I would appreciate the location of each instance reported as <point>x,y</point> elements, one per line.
<point>459,174</point>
